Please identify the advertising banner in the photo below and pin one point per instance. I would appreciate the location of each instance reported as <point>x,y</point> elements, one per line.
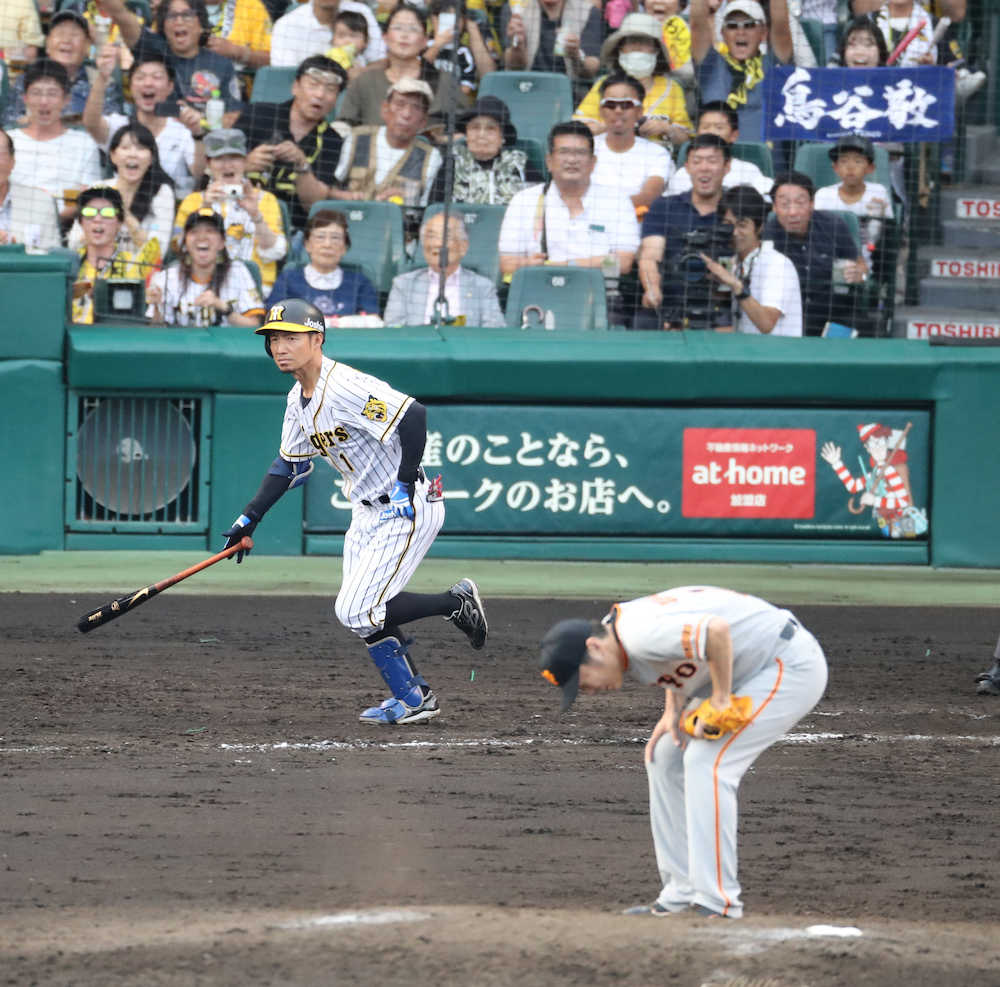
<point>883,104</point>
<point>652,472</point>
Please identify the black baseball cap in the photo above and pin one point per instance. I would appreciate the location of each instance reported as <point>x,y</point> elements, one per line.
<point>71,15</point>
<point>564,650</point>
<point>853,142</point>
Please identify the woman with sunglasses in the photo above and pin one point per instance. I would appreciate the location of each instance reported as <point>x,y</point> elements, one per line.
<point>147,191</point>
<point>204,287</point>
<point>636,49</point>
<point>101,216</point>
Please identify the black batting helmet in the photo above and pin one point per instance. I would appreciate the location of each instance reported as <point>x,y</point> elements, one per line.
<point>292,315</point>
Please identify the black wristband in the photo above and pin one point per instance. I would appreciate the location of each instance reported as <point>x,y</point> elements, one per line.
<point>744,294</point>
<point>198,137</point>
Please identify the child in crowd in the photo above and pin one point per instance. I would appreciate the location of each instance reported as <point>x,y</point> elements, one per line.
<point>475,59</point>
<point>350,39</point>
<point>853,160</point>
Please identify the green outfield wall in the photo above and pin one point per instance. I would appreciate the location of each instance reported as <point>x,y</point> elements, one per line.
<point>217,402</point>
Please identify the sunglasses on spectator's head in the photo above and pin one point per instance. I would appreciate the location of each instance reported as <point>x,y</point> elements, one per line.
<point>108,212</point>
<point>622,103</point>
<point>740,25</point>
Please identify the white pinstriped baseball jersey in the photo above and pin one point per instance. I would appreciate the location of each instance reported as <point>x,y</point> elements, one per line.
<point>664,635</point>
<point>350,421</point>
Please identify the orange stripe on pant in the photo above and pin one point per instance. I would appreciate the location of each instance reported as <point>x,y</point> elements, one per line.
<point>715,779</point>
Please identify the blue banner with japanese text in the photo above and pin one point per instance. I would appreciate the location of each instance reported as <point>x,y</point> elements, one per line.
<point>883,104</point>
<point>655,472</point>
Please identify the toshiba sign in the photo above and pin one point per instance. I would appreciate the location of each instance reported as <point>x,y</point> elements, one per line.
<point>925,328</point>
<point>749,473</point>
<point>977,208</point>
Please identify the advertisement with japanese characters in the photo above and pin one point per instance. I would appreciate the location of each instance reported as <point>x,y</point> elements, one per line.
<point>651,472</point>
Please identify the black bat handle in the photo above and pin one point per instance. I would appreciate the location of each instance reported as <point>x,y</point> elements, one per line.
<point>102,615</point>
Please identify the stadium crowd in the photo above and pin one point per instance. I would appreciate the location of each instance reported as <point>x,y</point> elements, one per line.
<point>225,155</point>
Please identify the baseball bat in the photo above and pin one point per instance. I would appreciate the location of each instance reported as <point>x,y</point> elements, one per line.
<point>124,604</point>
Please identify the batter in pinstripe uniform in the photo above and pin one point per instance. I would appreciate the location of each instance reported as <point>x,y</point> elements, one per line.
<point>374,437</point>
<point>695,642</point>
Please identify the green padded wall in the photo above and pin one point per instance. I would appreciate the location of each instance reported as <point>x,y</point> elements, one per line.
<point>33,293</point>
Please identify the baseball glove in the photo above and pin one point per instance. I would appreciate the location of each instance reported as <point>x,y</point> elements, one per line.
<point>716,722</point>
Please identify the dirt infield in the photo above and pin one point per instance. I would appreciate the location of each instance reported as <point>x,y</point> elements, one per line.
<point>188,798</point>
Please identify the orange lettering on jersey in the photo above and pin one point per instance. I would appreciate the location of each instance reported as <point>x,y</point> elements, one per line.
<point>686,642</point>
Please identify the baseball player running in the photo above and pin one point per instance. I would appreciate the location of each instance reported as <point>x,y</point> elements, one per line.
<point>737,673</point>
<point>374,437</point>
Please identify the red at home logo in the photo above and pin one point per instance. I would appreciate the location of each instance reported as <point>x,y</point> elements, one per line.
<point>749,472</point>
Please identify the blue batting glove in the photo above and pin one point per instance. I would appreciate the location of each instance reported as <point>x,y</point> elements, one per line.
<point>243,525</point>
<point>400,502</point>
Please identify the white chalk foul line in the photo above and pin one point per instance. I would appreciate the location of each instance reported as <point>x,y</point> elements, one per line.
<point>445,743</point>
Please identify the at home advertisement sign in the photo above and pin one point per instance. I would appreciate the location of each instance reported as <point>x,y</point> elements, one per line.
<point>669,472</point>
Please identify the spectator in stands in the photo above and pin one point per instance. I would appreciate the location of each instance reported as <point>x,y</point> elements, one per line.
<point>102,214</point>
<point>391,162</point>
<point>570,220</point>
<point>677,292</point>
<point>307,29</point>
<point>68,43</point>
<point>350,42</point>
<point>853,160</point>
<point>27,215</point>
<point>151,82</point>
<point>470,296</point>
<point>862,45</point>
<point>48,155</point>
<point>636,49</point>
<point>334,290</point>
<point>251,217</point>
<point>553,36</point>
<point>764,284</point>
<point>21,35</point>
<point>894,20</point>
<point>295,152</point>
<point>824,11</point>
<point>637,166</point>
<point>204,287</point>
<point>241,32</point>
<point>145,188</point>
<point>474,57</point>
<point>405,39</point>
<point>488,168</point>
<point>734,70</point>
<point>182,30</point>
<point>720,118</point>
<point>817,243</point>
<point>676,36</point>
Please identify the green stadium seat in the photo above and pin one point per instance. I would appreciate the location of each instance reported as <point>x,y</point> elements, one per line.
<point>569,298</point>
<point>377,243</point>
<point>482,223</point>
<point>273,84</point>
<point>756,152</point>
<point>536,100</point>
<point>813,31</point>
<point>535,151</point>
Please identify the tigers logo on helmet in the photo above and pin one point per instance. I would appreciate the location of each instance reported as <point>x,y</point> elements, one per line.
<point>275,314</point>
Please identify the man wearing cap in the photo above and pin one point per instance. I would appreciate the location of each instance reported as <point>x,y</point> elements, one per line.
<point>392,161</point>
<point>68,43</point>
<point>295,152</point>
<point>734,70</point>
<point>251,216</point>
<point>820,245</point>
<point>470,297</point>
<point>737,674</point>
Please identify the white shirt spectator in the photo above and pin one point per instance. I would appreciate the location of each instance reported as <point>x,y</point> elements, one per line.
<point>298,34</point>
<point>70,160</point>
<point>175,146</point>
<point>628,170</point>
<point>606,225</point>
<point>740,173</point>
<point>178,305</point>
<point>28,216</point>
<point>774,283</point>
<point>870,208</point>
<point>386,157</point>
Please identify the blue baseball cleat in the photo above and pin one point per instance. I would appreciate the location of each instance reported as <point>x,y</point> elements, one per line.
<point>412,708</point>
